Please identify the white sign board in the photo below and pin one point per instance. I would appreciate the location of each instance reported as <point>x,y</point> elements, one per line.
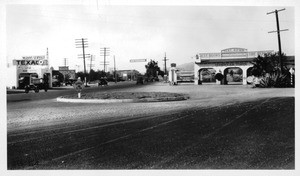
<point>138,60</point>
<point>31,61</point>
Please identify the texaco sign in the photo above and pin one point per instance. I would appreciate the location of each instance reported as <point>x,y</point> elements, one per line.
<point>31,61</point>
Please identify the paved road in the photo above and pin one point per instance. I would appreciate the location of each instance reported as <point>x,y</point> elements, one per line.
<point>20,95</point>
<point>45,134</point>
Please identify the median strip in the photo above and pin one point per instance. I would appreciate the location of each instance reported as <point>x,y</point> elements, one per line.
<point>123,97</point>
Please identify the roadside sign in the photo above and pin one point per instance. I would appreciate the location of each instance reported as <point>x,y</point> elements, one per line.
<point>138,60</point>
<point>78,85</point>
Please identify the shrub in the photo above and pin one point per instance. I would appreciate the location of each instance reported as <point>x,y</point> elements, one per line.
<point>219,76</point>
<point>265,82</point>
<point>274,80</point>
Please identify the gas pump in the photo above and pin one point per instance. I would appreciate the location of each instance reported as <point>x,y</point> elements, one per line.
<point>173,74</point>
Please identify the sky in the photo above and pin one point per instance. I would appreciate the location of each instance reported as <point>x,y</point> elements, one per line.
<point>141,32</point>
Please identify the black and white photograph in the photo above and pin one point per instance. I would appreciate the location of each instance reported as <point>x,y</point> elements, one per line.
<point>109,87</point>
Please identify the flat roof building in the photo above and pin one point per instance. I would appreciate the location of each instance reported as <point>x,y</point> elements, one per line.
<point>230,58</point>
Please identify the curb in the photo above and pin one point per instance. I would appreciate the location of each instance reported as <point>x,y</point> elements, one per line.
<point>68,100</point>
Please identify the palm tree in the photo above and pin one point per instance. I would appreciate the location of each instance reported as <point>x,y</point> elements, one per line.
<point>269,63</point>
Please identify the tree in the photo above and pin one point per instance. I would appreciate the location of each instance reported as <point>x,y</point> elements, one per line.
<point>81,75</point>
<point>161,73</point>
<point>152,69</point>
<point>269,63</point>
<point>269,69</point>
<point>100,74</point>
<point>93,75</point>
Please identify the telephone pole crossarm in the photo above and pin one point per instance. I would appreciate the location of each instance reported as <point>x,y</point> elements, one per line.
<point>279,31</point>
<point>275,11</point>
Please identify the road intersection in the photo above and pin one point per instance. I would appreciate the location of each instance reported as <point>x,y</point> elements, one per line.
<point>46,134</point>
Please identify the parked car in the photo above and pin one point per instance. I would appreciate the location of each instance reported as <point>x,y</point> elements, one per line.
<point>55,83</point>
<point>110,79</point>
<point>140,80</point>
<point>70,82</point>
<point>102,82</point>
<point>33,85</point>
<point>120,79</point>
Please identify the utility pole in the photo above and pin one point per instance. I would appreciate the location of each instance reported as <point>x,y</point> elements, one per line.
<point>278,34</point>
<point>91,65</point>
<point>165,60</point>
<point>104,52</point>
<point>91,60</point>
<point>115,73</point>
<point>65,61</point>
<point>82,43</point>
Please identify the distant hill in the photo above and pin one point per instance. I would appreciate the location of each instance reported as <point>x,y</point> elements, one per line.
<point>186,67</point>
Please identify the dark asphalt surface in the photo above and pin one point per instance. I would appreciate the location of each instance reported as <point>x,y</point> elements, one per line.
<point>251,135</point>
<point>21,96</point>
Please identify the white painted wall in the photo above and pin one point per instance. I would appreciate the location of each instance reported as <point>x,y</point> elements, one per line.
<point>11,76</point>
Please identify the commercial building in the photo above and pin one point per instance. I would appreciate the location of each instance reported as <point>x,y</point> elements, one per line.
<point>128,74</point>
<point>229,62</point>
<point>66,72</point>
<point>37,66</point>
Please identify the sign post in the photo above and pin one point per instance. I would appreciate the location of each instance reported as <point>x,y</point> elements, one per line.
<point>292,74</point>
<point>78,85</point>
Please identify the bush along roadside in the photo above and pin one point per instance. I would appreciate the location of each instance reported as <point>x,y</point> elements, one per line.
<point>272,71</point>
<point>277,80</point>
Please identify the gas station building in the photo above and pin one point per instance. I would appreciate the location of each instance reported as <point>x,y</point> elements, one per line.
<point>30,65</point>
<point>230,58</point>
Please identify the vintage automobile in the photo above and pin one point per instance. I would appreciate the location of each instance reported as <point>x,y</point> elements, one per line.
<point>33,85</point>
<point>140,80</point>
<point>102,82</point>
<point>32,82</point>
<point>55,83</point>
<point>70,82</point>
